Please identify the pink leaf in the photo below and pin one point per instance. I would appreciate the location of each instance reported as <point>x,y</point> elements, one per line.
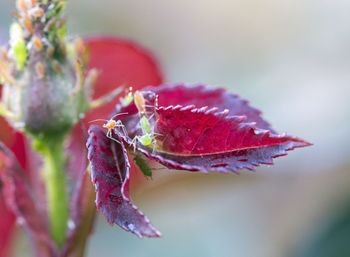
<point>110,175</point>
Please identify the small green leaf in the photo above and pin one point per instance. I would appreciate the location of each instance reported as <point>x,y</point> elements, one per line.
<point>143,166</point>
<point>18,45</point>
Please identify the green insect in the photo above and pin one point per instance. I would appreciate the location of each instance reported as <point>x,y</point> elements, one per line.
<point>148,136</point>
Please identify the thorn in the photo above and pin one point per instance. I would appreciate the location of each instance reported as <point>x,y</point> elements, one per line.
<point>86,56</point>
<point>37,43</point>
<point>80,78</point>
<point>56,66</point>
<point>91,78</point>
<point>50,24</point>
<point>28,24</point>
<point>16,15</point>
<point>50,51</point>
<point>79,47</point>
<point>40,70</point>
<point>36,12</point>
<point>5,73</point>
<point>80,75</point>
<point>63,49</point>
<point>4,54</point>
<point>63,22</point>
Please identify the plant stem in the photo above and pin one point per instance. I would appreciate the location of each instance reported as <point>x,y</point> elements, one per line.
<point>58,207</point>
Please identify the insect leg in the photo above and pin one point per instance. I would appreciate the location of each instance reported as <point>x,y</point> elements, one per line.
<point>134,142</point>
<point>109,135</point>
<point>121,125</point>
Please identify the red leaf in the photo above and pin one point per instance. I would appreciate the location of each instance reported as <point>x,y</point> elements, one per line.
<point>201,95</point>
<point>223,138</point>
<point>23,203</point>
<point>207,140</point>
<point>110,175</point>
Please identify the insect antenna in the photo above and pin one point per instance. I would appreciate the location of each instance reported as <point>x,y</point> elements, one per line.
<point>118,115</point>
<point>97,120</point>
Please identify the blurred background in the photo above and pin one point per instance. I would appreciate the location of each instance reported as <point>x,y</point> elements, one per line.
<point>291,59</point>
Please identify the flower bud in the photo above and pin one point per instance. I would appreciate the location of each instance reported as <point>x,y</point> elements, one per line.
<point>45,87</point>
<point>43,92</point>
<point>42,100</point>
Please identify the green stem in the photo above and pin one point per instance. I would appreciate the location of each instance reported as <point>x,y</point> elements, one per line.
<point>58,207</point>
